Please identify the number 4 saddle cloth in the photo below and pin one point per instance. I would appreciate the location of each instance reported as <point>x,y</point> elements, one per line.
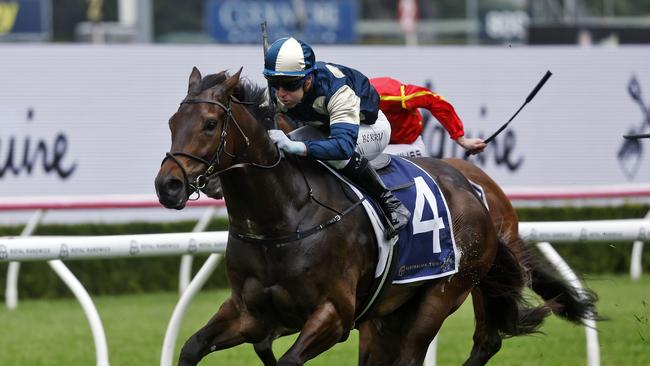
<point>427,248</point>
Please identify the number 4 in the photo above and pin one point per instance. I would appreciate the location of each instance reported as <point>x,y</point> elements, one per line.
<point>423,193</point>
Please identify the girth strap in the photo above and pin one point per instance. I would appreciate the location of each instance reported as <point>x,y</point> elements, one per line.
<point>283,240</point>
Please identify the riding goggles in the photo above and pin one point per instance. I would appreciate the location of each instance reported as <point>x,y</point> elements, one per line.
<point>290,85</point>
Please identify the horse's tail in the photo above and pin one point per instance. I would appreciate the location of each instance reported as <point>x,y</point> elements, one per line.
<point>506,309</point>
<point>564,300</point>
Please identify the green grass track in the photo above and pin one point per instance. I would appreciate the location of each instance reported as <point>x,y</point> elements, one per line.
<point>55,332</point>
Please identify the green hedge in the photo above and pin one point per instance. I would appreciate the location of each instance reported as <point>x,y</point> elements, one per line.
<point>136,275</point>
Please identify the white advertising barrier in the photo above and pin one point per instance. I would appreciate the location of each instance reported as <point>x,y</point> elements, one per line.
<point>83,119</point>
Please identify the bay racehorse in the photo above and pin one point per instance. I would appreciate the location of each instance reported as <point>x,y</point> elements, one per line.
<point>301,257</point>
<point>559,296</point>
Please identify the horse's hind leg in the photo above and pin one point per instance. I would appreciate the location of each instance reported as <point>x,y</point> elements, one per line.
<point>500,307</point>
<point>227,328</point>
<point>403,337</point>
<point>487,340</point>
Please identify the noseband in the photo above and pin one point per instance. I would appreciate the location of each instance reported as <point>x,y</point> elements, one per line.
<point>202,179</point>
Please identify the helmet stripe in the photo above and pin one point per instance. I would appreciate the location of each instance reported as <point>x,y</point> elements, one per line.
<point>287,57</point>
<point>290,58</point>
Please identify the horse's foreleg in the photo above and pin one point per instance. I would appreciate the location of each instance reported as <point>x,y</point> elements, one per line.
<point>324,328</point>
<point>224,330</point>
<point>264,351</point>
<point>264,348</point>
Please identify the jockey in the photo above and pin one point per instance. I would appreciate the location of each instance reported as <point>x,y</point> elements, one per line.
<point>341,101</point>
<point>400,103</point>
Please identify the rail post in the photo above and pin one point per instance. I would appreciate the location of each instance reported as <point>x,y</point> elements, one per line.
<point>13,269</point>
<point>591,333</point>
<point>185,270</point>
<point>636,264</point>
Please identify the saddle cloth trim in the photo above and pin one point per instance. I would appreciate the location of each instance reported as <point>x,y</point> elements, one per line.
<point>457,253</point>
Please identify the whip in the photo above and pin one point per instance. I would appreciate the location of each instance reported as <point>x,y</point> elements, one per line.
<point>530,97</point>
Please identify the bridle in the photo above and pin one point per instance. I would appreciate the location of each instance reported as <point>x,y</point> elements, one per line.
<point>211,164</point>
<point>202,179</point>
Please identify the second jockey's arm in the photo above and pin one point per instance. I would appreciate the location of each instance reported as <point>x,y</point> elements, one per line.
<point>474,145</point>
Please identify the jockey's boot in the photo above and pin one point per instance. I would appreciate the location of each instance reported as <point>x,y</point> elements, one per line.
<point>360,172</point>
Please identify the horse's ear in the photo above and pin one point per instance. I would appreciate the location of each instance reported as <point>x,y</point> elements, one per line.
<point>232,81</point>
<point>195,81</point>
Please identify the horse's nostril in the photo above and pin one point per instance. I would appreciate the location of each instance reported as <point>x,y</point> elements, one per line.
<point>171,191</point>
<point>173,186</point>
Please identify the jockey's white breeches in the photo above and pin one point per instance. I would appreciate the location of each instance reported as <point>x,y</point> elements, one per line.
<point>372,140</point>
<point>415,149</point>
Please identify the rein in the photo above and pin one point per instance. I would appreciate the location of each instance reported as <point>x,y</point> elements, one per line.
<point>201,180</point>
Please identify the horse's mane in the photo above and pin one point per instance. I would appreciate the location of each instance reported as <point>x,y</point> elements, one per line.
<point>246,92</point>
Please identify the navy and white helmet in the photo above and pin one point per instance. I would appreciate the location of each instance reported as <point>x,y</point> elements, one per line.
<point>288,57</point>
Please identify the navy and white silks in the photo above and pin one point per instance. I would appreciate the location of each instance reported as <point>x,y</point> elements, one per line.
<point>343,101</point>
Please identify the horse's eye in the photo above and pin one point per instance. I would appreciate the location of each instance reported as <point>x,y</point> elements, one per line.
<point>210,125</point>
